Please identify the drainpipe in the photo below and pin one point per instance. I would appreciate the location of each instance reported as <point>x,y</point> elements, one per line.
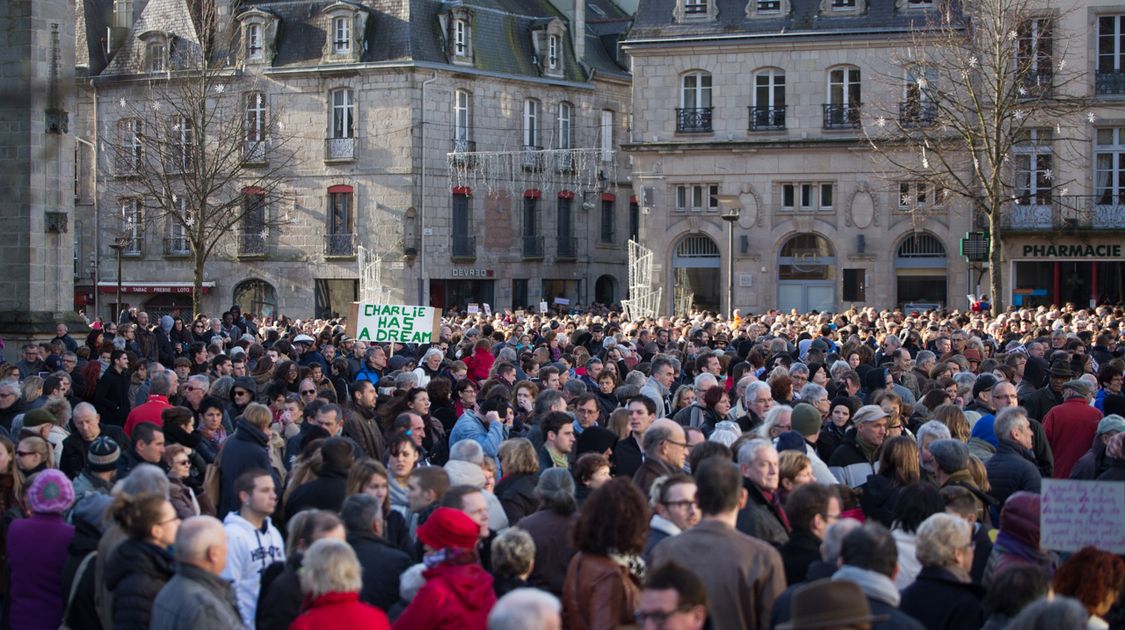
<point>422,203</point>
<point>97,218</point>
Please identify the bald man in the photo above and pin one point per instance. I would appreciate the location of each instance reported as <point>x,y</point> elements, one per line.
<point>665,449</point>
<point>197,598</point>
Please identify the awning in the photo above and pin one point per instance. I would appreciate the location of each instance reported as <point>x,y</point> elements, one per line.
<point>153,287</point>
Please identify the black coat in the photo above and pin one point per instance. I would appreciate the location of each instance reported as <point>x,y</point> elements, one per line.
<point>627,457</point>
<point>517,495</point>
<point>1042,401</point>
<point>941,602</point>
<point>879,498</point>
<point>326,492</point>
<point>760,518</point>
<point>1011,470</point>
<point>1115,470</point>
<point>802,550</point>
<point>73,458</point>
<point>135,574</point>
<point>111,397</point>
<point>244,450</point>
<point>280,599</point>
<point>382,566</point>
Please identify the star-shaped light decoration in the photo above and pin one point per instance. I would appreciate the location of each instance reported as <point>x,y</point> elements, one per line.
<point>973,61</point>
<point>156,106</point>
<point>1023,91</point>
<point>881,121</point>
<point>122,102</point>
<point>220,88</point>
<point>1091,118</point>
<point>1048,174</point>
<point>1012,35</point>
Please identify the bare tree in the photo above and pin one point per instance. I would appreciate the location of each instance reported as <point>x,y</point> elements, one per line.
<point>986,84</point>
<point>198,153</point>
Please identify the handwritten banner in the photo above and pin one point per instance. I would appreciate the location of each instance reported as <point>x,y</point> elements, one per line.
<point>394,323</point>
<point>1075,514</point>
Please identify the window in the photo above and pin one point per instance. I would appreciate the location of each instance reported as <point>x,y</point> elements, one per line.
<point>255,117</point>
<point>1111,55</point>
<point>917,107</point>
<point>1033,165</point>
<point>609,207</point>
<point>607,135</point>
<point>567,247</point>
<point>177,242</point>
<point>341,35</point>
<point>553,52</point>
<point>920,195</point>
<point>696,197</point>
<point>566,113</point>
<point>132,227</point>
<point>252,232</point>
<point>695,110</point>
<point>1109,167</point>
<point>768,6</point>
<point>254,41</point>
<point>919,4</point>
<point>156,57</point>
<point>806,196</point>
<point>842,110</point>
<point>695,7</point>
<point>464,245</point>
<point>460,38</point>
<point>530,215</point>
<point>768,109</point>
<point>531,140</point>
<point>341,220</point>
<point>634,220</point>
<point>843,4</point>
<point>343,114</point>
<point>181,138</point>
<point>462,120</point>
<point>855,285</point>
<point>132,149</point>
<point>1034,53</point>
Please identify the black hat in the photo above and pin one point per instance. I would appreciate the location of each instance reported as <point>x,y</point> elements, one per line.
<point>984,382</point>
<point>1060,369</point>
<point>103,454</point>
<point>595,440</point>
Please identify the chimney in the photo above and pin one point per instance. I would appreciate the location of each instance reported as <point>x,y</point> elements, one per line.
<point>579,27</point>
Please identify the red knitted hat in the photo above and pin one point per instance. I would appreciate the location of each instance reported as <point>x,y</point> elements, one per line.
<point>448,527</point>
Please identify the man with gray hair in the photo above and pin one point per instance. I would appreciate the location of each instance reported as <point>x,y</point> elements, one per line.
<point>196,598</point>
<point>763,516</point>
<point>692,415</point>
<point>657,388</point>
<point>382,563</point>
<point>464,467</point>
<point>161,386</point>
<point>1012,468</point>
<point>526,609</point>
<point>927,433</point>
<point>923,363</point>
<point>1071,426</point>
<point>665,449</point>
<point>758,402</point>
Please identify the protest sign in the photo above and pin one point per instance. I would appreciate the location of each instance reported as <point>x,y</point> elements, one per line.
<point>1075,514</point>
<point>394,323</point>
<point>487,309</point>
<point>562,301</point>
<point>474,308</point>
<point>542,307</point>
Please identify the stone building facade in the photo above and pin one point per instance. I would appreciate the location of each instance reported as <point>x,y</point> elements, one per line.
<point>372,97</point>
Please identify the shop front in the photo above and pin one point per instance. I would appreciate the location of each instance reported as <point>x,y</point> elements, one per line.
<point>468,285</point>
<point>1084,273</point>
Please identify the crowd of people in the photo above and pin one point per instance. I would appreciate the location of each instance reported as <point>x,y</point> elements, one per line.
<point>865,469</point>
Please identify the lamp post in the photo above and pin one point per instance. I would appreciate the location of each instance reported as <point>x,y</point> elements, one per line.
<point>731,211</point>
<point>118,246</point>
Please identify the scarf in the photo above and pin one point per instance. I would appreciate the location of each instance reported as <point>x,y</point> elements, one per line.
<point>632,563</point>
<point>452,556</point>
<point>874,584</point>
<point>774,500</point>
<point>869,450</point>
<point>1006,543</point>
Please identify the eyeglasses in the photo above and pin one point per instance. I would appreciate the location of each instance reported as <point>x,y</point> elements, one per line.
<point>181,462</point>
<point>308,391</point>
<point>173,519</point>
<point>658,617</point>
<point>685,504</point>
<point>25,453</point>
<point>240,393</point>
<point>681,444</point>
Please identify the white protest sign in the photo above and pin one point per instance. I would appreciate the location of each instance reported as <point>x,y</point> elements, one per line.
<point>383,323</point>
<point>542,307</point>
<point>474,308</point>
<point>562,301</point>
<point>487,309</point>
<point>1075,514</point>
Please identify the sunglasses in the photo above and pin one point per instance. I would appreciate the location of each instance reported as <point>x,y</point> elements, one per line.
<point>241,393</point>
<point>25,453</point>
<point>308,391</point>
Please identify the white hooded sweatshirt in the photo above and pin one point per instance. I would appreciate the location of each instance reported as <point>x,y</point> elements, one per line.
<point>250,551</point>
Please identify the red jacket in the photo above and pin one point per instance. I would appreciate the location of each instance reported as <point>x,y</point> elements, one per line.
<point>1070,429</point>
<point>454,596</point>
<point>149,411</point>
<point>480,364</point>
<point>340,610</point>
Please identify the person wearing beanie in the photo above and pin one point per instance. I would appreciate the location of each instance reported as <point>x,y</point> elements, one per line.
<point>840,413</point>
<point>37,553</point>
<point>458,591</point>
<point>806,421</point>
<point>87,427</point>
<point>101,468</point>
<point>1018,541</point>
<point>595,439</point>
<point>1115,458</point>
<point>1092,464</point>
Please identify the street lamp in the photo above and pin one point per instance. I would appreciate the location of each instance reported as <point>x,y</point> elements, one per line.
<point>119,244</point>
<point>731,206</point>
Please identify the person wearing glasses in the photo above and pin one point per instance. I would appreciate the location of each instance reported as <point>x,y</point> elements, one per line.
<point>674,509</point>
<point>673,597</point>
<point>143,564</point>
<point>11,402</point>
<point>665,449</point>
<point>33,455</point>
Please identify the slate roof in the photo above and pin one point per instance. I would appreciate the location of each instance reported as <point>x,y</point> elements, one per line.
<point>654,20</point>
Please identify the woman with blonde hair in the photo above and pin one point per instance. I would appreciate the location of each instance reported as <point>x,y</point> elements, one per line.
<point>331,579</point>
<point>370,477</point>
<point>951,416</point>
<point>794,470</point>
<point>943,595</point>
<point>516,489</point>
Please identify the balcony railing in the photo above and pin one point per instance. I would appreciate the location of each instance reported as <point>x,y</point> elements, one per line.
<point>841,116</point>
<point>917,113</point>
<point>254,151</point>
<point>532,247</point>
<point>567,248</point>
<point>339,149</point>
<point>464,247</point>
<point>1066,213</point>
<point>1036,83</point>
<point>339,245</point>
<point>1110,83</point>
<point>463,151</point>
<point>766,118</point>
<point>127,164</point>
<point>252,243</point>
<point>532,157</point>
<point>693,119</point>
<point>564,161</point>
<point>176,246</point>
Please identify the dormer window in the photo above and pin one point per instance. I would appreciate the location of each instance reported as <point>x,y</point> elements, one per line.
<point>341,36</point>
<point>911,5</point>
<point>547,48</point>
<point>695,10</point>
<point>259,29</point>
<point>842,7</point>
<point>770,8</point>
<point>460,38</point>
<point>156,58</point>
<point>553,52</point>
<point>254,42</point>
<point>695,7</point>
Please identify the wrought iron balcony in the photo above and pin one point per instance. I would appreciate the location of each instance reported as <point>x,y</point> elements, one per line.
<point>567,248</point>
<point>464,247</point>
<point>917,113</point>
<point>178,246</point>
<point>1065,213</point>
<point>564,161</point>
<point>463,151</point>
<point>532,247</point>
<point>339,149</point>
<point>841,116</point>
<point>1110,83</point>
<point>339,245</point>
<point>767,118</point>
<point>693,119</point>
<point>532,157</point>
<point>251,243</point>
<point>254,151</point>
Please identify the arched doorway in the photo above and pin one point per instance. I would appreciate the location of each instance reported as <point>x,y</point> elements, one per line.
<point>605,290</point>
<point>806,274</point>
<point>256,296</point>
<point>921,272</point>
<point>696,265</point>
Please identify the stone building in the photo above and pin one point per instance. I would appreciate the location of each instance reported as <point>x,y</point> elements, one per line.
<point>469,147</point>
<point>755,106</point>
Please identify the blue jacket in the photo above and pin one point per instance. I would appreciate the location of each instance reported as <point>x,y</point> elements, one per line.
<point>470,427</point>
